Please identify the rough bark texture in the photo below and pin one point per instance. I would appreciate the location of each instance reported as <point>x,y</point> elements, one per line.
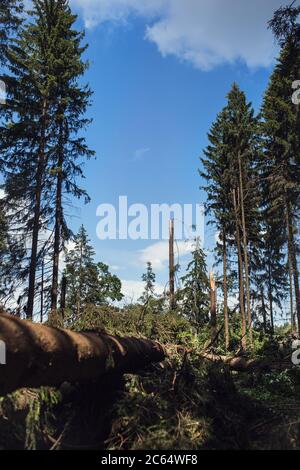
<point>213,309</point>
<point>38,355</point>
<point>245,249</point>
<point>241,274</point>
<point>58,222</point>
<point>293,260</point>
<point>37,215</point>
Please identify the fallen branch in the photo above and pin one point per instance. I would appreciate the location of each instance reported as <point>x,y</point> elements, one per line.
<point>38,355</point>
<point>242,364</point>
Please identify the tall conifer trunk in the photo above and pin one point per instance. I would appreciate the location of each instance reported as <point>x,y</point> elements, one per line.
<point>225,291</point>
<point>241,274</point>
<point>264,312</point>
<point>270,299</point>
<point>58,222</point>
<point>293,260</point>
<point>37,213</point>
<point>245,246</point>
<point>291,294</point>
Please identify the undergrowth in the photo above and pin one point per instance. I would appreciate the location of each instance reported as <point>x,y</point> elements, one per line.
<point>185,402</point>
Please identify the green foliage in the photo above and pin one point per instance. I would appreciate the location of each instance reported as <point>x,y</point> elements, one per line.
<point>33,413</point>
<point>134,321</point>
<point>88,283</point>
<point>194,294</point>
<point>10,21</point>
<point>41,143</point>
<point>149,279</point>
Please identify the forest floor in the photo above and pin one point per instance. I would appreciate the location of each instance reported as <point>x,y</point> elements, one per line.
<point>186,402</point>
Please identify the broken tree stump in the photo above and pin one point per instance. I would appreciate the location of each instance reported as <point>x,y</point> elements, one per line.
<point>38,355</point>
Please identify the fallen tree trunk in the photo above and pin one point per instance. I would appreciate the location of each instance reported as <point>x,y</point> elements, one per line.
<point>38,355</point>
<point>242,364</point>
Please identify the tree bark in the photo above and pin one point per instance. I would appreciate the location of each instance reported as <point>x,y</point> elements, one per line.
<point>225,292</point>
<point>246,256</point>
<point>293,260</point>
<point>37,355</point>
<point>37,215</point>
<point>241,275</point>
<point>291,296</point>
<point>263,306</point>
<point>58,223</point>
<point>63,296</point>
<point>213,309</point>
<point>171,266</point>
<point>271,300</point>
<point>242,364</point>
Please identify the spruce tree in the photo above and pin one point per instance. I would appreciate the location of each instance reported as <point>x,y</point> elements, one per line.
<point>10,20</point>
<point>72,100</point>
<point>40,144</point>
<point>280,129</point>
<point>230,169</point>
<point>88,282</point>
<point>26,136</point>
<point>195,289</point>
<point>242,145</point>
<point>219,203</point>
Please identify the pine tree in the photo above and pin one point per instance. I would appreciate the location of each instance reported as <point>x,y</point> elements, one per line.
<point>271,270</point>
<point>10,21</point>
<point>219,204</point>
<point>230,168</point>
<point>195,289</point>
<point>40,143</point>
<point>25,137</point>
<point>285,24</point>
<point>72,100</point>
<point>242,131</point>
<point>280,127</point>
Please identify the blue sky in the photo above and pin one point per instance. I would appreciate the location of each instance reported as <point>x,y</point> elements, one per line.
<point>158,84</point>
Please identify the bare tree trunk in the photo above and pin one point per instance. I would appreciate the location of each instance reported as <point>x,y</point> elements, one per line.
<point>263,306</point>
<point>37,355</point>
<point>79,294</point>
<point>58,224</point>
<point>225,292</point>
<point>37,215</point>
<point>270,300</point>
<point>246,255</point>
<point>171,266</point>
<point>293,258</point>
<point>241,274</point>
<point>63,295</point>
<point>213,309</point>
<point>291,295</point>
<point>42,291</point>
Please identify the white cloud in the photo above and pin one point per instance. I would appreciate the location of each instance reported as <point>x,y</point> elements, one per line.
<point>205,33</point>
<point>2,193</point>
<point>115,267</point>
<point>140,153</point>
<point>158,253</point>
<point>118,11</point>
